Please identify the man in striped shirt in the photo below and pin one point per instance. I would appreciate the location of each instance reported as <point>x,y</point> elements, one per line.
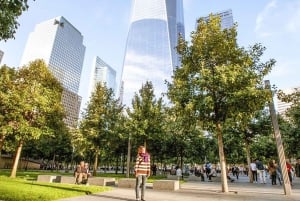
<point>142,172</point>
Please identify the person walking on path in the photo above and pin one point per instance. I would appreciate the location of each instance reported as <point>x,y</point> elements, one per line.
<point>278,172</point>
<point>289,170</point>
<point>261,171</point>
<point>142,172</point>
<point>272,172</point>
<point>253,169</point>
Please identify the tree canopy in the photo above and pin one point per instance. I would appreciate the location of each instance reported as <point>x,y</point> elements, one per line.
<point>31,100</point>
<point>9,13</point>
<point>219,79</point>
<point>100,121</point>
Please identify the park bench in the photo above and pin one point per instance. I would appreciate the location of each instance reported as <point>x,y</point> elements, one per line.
<point>126,183</point>
<point>102,181</point>
<point>67,180</point>
<point>97,181</point>
<point>48,178</point>
<point>171,185</point>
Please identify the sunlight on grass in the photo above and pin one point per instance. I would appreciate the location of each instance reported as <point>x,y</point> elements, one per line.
<point>25,186</point>
<point>22,189</point>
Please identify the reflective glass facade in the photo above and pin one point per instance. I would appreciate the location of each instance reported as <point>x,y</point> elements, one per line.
<point>103,73</point>
<point>226,18</point>
<point>150,53</point>
<point>60,45</point>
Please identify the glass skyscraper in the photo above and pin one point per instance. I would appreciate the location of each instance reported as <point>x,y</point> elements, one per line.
<point>150,53</point>
<point>226,18</point>
<point>60,45</point>
<point>103,73</point>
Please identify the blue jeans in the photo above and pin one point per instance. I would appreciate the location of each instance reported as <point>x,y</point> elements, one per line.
<point>140,183</point>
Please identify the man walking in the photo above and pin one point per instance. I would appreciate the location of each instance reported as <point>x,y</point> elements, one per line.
<point>253,170</point>
<point>261,171</point>
<point>142,172</point>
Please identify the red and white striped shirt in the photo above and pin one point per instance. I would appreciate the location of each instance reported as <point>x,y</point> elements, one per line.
<point>142,164</point>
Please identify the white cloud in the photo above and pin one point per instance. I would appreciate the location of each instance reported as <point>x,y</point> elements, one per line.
<point>263,17</point>
<point>285,73</point>
<point>293,24</point>
<point>282,70</point>
<point>278,18</point>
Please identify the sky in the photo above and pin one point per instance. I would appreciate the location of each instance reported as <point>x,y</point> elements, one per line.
<point>104,25</point>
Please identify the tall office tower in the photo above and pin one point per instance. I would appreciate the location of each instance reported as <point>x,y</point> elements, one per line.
<point>226,18</point>
<point>60,44</point>
<point>1,55</point>
<point>103,73</point>
<point>151,46</point>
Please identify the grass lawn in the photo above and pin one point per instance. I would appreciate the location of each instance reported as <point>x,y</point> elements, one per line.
<point>25,186</point>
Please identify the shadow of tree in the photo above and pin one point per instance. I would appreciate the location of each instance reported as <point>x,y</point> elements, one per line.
<point>71,188</point>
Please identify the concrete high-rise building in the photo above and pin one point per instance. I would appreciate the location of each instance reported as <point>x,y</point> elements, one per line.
<point>103,73</point>
<point>226,18</point>
<point>150,53</point>
<point>60,45</point>
<point>1,55</point>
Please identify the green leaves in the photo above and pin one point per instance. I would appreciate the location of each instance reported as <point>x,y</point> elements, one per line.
<point>217,76</point>
<point>218,80</point>
<point>10,10</point>
<point>30,96</point>
<point>146,117</point>
<point>31,100</point>
<point>101,118</point>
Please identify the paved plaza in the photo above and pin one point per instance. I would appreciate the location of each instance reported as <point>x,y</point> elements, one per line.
<point>203,191</point>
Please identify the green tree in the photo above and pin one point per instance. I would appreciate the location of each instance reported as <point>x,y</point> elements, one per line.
<point>253,126</point>
<point>37,95</point>
<point>54,148</point>
<point>7,94</point>
<point>225,79</point>
<point>181,126</point>
<point>290,122</point>
<point>100,121</point>
<point>146,123</point>
<point>290,129</point>
<point>146,116</point>
<point>10,10</point>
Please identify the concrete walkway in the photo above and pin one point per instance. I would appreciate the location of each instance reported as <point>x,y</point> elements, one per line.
<point>240,190</point>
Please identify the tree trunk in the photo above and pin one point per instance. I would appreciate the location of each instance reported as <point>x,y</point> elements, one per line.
<point>249,162</point>
<point>128,158</point>
<point>117,165</point>
<point>181,161</point>
<point>16,159</point>
<point>96,162</point>
<point>222,159</point>
<point>123,162</point>
<point>53,162</point>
